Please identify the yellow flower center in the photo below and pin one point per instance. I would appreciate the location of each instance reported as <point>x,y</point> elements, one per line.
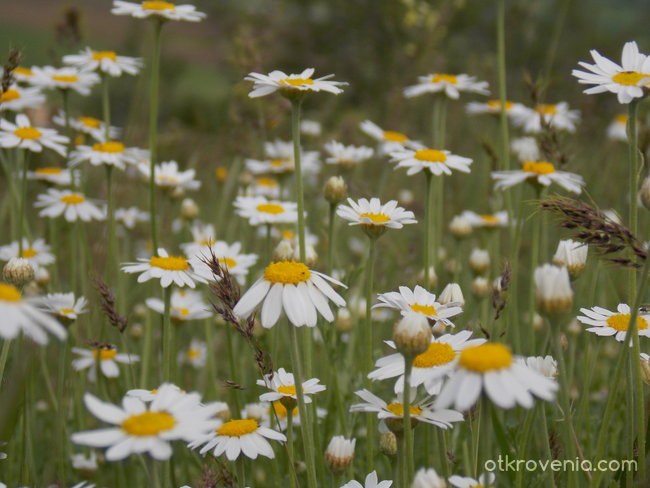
<point>546,109</point>
<point>238,428</point>
<point>287,390</point>
<point>486,357</point>
<point>28,253</point>
<point>23,71</point>
<point>489,219</point>
<point>113,147</point>
<point>398,409</point>
<point>287,272</point>
<point>72,199</point>
<point>27,133</point>
<point>91,122</point>
<point>166,179</point>
<point>392,136</point>
<point>376,218</point>
<point>66,311</point>
<point>270,182</point>
<point>431,155</point>
<point>496,104</point>
<point>436,354</point>
<point>229,262</point>
<point>281,410</point>
<point>171,263</point>
<point>182,311</point>
<point>103,354</point>
<point>221,174</point>
<point>538,167</point>
<point>65,78</point>
<point>148,423</point>
<point>288,234</point>
<point>48,171</point>
<point>621,118</point>
<point>424,309</point>
<point>99,55</point>
<point>193,354</point>
<point>628,78</point>
<point>444,78</point>
<point>9,293</point>
<point>620,321</point>
<point>271,208</point>
<point>276,163</point>
<point>9,95</point>
<point>157,5</point>
<point>297,81</point>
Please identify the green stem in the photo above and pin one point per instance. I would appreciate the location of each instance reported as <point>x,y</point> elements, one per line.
<point>295,131</point>
<point>147,349</point>
<point>485,432</point>
<point>168,339</point>
<point>408,428</point>
<point>633,137</point>
<point>4,355</point>
<point>106,106</point>
<point>290,455</point>
<point>112,263</point>
<point>22,166</point>
<point>428,224</point>
<point>330,238</point>
<point>370,268</point>
<point>153,130</point>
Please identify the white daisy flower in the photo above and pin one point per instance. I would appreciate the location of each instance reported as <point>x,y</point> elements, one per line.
<point>51,175</point>
<point>149,395</point>
<point>36,252</point>
<point>129,217</point>
<point>203,236</point>
<point>546,366</point>
<point>283,385</point>
<point>571,254</point>
<point>420,412</point>
<point>290,286</point>
<point>604,322</point>
<point>107,62</point>
<point>540,172</point>
<point>264,186</point>
<point>168,269</point>
<point>491,368</point>
<point>493,107</point>
<point>626,80</point>
<point>140,428</point>
<point>259,210</point>
<point>167,176</point>
<point>617,129</point>
<point>17,98</point>
<point>557,116</point>
<point>84,463</point>
<point>196,355</point>
<point>239,436</point>
<point>23,74</point>
<point>499,219</point>
<point>72,205</point>
<point>63,305</point>
<point>483,481</point>
<point>280,160</point>
<point>107,357</point>
<point>291,84</point>
<point>438,162</point>
<point>20,314</point>
<point>340,453</point>
<point>450,85</point>
<point>185,305</point>
<point>162,10</point>
<point>430,367</point>
<point>371,482</point>
<point>389,140</point>
<point>553,291</point>
<point>373,214</point>
<point>110,153</point>
<point>228,255</point>
<point>428,478</point>
<point>347,157</point>
<point>88,125</point>
<point>525,148</point>
<point>310,127</point>
<point>67,78</point>
<point>21,134</point>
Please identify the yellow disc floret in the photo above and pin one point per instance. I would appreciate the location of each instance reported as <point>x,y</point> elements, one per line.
<point>393,136</point>
<point>271,208</point>
<point>148,423</point>
<point>620,322</point>
<point>171,263</point>
<point>9,95</point>
<point>629,78</point>
<point>538,167</point>
<point>238,428</point>
<point>287,272</point>
<point>66,78</point>
<point>398,409</point>
<point>9,293</point>
<point>28,133</point>
<point>443,77</point>
<point>424,309</point>
<point>73,199</point>
<point>99,55</point>
<point>436,354</point>
<point>376,218</point>
<point>103,354</point>
<point>430,155</point>
<point>297,82</point>
<point>158,5</point>
<point>486,357</point>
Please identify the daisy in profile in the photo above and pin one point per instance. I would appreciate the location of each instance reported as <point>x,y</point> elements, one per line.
<point>546,366</point>
<point>280,161</point>
<point>140,428</point>
<point>525,148</point>
<point>91,126</point>
<point>489,221</point>
<point>485,480</point>
<point>539,172</point>
<point>37,252</point>
<point>157,9</point>
<point>239,436</point>
<point>450,85</point>
<point>23,74</point>
<point>110,153</point>
<point>604,322</point>
<point>228,255</point>
<point>374,217</point>
<point>291,286</point>
<point>372,481</point>
<point>438,162</point>
<point>67,78</point>
<point>292,84</point>
<point>421,301</point>
<point>259,210</point>
<point>283,386</point>
<point>195,355</point>
<point>389,140</point>
<point>149,395</point>
<point>347,157</point>
<point>557,116</point>
<point>626,80</point>
<point>168,176</point>
<point>617,129</point>
<point>51,175</point>
<point>430,367</point>
<point>21,134</point>
<point>203,236</point>
<point>130,217</point>
<point>493,107</point>
<point>17,98</point>
<point>63,305</point>
<point>185,305</point>
<point>106,62</point>
<point>264,186</point>
<point>22,315</point>
<point>492,369</point>
<point>107,357</point>
<point>166,268</point>
<point>71,205</point>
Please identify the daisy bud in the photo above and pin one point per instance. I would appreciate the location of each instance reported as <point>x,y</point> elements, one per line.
<point>428,478</point>
<point>553,290</point>
<point>538,322</point>
<point>412,334</point>
<point>140,311</point>
<point>18,272</point>
<point>42,276</point>
<point>405,197</point>
<point>245,178</point>
<point>574,328</point>
<point>452,266</point>
<point>178,192</point>
<point>433,277</point>
<point>311,257</point>
<point>442,254</point>
<point>136,330</point>
<point>645,368</point>
<point>460,227</point>
<point>452,293</point>
<point>479,260</point>
<point>572,255</point>
<point>336,190</point>
<point>644,193</point>
<point>339,454</point>
<point>343,320</point>
<point>283,251</point>
<point>189,209</point>
<point>388,443</point>
<point>481,287</point>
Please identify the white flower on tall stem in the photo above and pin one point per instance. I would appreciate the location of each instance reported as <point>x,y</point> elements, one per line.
<point>389,140</point>
<point>107,62</point>
<point>604,322</point>
<point>107,357</point>
<point>276,415</point>
<point>540,172</point>
<point>347,157</point>
<point>109,153</point>
<point>157,9</point>
<point>21,134</point>
<point>293,83</point>
<point>283,385</point>
<point>63,305</point>
<point>131,216</point>
<point>617,129</point>
<point>51,175</point>
<point>17,98</point>
<point>67,78</point>
<point>485,480</point>
<point>421,301</point>
<point>149,395</point>
<point>438,162</point>
<point>185,305</point>
<point>371,213</point>
<point>499,219</point>
<point>87,125</point>
<point>37,252</point>
<point>259,210</point>
<point>168,176</point>
<point>450,85</point>
<point>195,355</point>
<point>372,481</point>
<point>557,116</point>
<point>167,268</point>
<point>72,205</point>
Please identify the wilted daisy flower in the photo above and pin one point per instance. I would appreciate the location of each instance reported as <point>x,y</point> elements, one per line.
<point>626,80</point>
<point>373,215</point>
<point>428,478</point>
<point>72,205</point>
<point>63,305</point>
<point>169,177</point>
<point>421,301</point>
<point>491,368</point>
<point>17,98</point>
<point>485,480</point>
<point>553,291</point>
<point>604,322</point>
<point>451,85</point>
<point>51,175</point>
<point>290,286</point>
<point>540,172</point>
<point>67,78</point>
<point>430,367</point>
<point>20,314</point>
<point>283,385</point>
<point>499,219</point>
<point>389,140</point>
<point>340,453</point>
<point>347,157</point>
<point>438,162</point>
<point>168,269</point>
<point>558,116</point>
<point>21,134</point>
<point>87,125</point>
<point>525,148</point>
<point>110,153</point>
<point>157,9</point>
<point>228,255</point>
<point>572,255</point>
<point>259,210</point>
<point>37,252</point>
<point>310,127</point>
<point>617,129</point>
<point>129,217</point>
<point>371,482</point>
<point>140,428</point>
<point>107,357</point>
<point>493,107</point>
<point>184,305</point>
<point>546,365</point>
<point>195,355</point>
<point>107,62</point>
<point>291,84</point>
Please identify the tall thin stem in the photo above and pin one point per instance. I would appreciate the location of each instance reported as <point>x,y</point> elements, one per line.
<point>295,131</point>
<point>370,268</point>
<point>168,350</point>
<point>408,428</point>
<point>330,238</point>
<point>106,106</point>
<point>633,139</point>
<point>428,224</point>
<point>153,129</point>
<point>23,164</point>
<point>112,262</point>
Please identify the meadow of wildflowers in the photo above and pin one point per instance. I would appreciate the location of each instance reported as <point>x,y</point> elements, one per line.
<point>425,270</point>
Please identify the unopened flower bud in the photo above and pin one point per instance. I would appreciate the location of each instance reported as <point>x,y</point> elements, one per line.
<point>136,330</point>
<point>18,272</point>
<point>339,454</point>
<point>42,276</point>
<point>460,227</point>
<point>283,251</point>
<point>336,190</point>
<point>564,342</point>
<point>311,257</point>
<point>574,328</point>
<point>178,192</point>
<point>453,266</point>
<point>412,334</point>
<point>140,311</point>
<point>189,209</point>
<point>245,178</point>
<point>343,320</point>
<point>538,322</point>
<point>553,291</point>
<point>388,443</point>
<point>479,260</point>
<point>428,478</point>
<point>405,197</point>
<point>481,287</point>
<point>433,277</point>
<point>452,293</point>
<point>572,255</point>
